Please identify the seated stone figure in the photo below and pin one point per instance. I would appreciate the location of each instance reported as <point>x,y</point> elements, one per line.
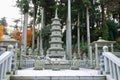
<point>39,65</point>
<point>75,65</point>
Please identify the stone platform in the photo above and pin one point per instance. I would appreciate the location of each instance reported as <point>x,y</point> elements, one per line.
<point>81,74</point>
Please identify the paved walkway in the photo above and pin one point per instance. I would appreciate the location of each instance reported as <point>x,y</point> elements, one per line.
<point>81,72</point>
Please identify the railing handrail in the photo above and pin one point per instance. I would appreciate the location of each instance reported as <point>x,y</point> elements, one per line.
<point>111,65</point>
<point>5,55</point>
<point>112,57</point>
<point>5,64</point>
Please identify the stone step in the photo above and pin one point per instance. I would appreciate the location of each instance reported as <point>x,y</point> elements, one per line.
<point>57,78</point>
<point>63,74</point>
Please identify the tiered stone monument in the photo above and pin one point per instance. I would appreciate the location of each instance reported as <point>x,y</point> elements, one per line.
<point>56,50</point>
<point>55,57</point>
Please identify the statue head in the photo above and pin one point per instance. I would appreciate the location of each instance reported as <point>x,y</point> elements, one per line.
<point>105,48</point>
<point>10,47</point>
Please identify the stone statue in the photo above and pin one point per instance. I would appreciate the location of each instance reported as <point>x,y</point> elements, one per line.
<point>75,65</point>
<point>39,65</point>
<point>10,48</point>
<point>105,48</point>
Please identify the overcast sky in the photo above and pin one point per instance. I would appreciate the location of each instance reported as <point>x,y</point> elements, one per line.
<point>8,10</point>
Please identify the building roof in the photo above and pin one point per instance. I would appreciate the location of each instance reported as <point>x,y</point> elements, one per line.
<point>101,42</point>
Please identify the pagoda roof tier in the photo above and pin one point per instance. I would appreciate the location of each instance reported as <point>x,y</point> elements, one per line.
<point>8,40</point>
<point>56,49</point>
<point>56,36</point>
<point>57,56</point>
<point>55,19</point>
<point>55,42</point>
<point>56,29</point>
<point>56,24</point>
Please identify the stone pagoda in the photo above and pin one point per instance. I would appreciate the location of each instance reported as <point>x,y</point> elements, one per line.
<point>56,50</point>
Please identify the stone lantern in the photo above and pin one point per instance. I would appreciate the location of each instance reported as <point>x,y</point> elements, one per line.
<point>97,47</point>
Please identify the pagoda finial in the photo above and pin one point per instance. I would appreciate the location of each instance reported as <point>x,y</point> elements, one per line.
<point>56,10</point>
<point>56,14</point>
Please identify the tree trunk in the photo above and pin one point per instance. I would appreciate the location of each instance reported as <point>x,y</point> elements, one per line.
<point>68,33</point>
<point>25,24</point>
<point>78,34</point>
<point>33,29</point>
<point>88,30</point>
<point>41,40</point>
<point>119,18</point>
<point>103,15</point>
<point>104,25</point>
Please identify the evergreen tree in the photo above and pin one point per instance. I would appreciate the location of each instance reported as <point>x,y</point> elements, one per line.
<point>3,21</point>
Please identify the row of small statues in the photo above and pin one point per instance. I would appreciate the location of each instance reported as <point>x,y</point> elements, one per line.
<point>40,63</point>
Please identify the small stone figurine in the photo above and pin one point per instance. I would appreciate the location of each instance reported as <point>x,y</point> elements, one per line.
<point>39,65</point>
<point>105,48</point>
<point>75,65</point>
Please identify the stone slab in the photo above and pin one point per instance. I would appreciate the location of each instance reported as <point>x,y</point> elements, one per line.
<point>81,74</point>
